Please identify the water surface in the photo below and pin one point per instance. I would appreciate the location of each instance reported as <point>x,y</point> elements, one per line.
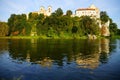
<point>35,59</point>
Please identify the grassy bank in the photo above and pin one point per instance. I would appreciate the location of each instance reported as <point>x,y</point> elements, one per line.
<point>42,37</point>
<point>19,37</point>
<point>54,37</point>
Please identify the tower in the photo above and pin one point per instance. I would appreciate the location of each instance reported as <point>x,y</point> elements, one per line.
<point>49,10</point>
<point>96,9</point>
<point>92,6</point>
<point>42,10</point>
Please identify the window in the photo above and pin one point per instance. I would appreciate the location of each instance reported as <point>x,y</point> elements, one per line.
<point>49,10</point>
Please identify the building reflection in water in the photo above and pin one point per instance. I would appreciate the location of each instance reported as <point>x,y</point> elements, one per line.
<point>92,61</point>
<point>28,57</point>
<point>33,41</point>
<point>46,62</point>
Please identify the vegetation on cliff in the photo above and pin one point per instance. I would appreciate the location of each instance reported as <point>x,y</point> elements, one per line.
<point>56,26</point>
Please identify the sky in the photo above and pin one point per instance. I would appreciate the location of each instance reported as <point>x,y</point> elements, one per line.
<point>8,7</point>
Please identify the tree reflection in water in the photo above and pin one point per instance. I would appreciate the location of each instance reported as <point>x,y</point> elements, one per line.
<point>86,53</point>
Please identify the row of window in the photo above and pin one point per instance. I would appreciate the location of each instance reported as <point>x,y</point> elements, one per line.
<point>85,12</point>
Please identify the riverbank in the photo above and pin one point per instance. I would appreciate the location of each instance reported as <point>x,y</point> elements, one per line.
<point>116,37</point>
<point>41,37</point>
<point>19,37</point>
<point>45,37</point>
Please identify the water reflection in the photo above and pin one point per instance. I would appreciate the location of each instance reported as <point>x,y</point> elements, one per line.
<point>36,59</point>
<point>85,53</point>
<point>4,44</point>
<point>88,62</point>
<point>105,46</point>
<point>28,57</point>
<point>46,62</point>
<point>104,50</point>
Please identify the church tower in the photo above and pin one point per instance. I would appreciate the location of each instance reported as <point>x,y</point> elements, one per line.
<point>42,10</point>
<point>49,10</point>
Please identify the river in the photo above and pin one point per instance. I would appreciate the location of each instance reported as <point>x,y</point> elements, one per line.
<point>35,59</point>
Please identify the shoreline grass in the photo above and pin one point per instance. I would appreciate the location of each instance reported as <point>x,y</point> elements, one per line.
<point>41,37</point>
<point>19,37</point>
<point>45,37</point>
<point>116,37</point>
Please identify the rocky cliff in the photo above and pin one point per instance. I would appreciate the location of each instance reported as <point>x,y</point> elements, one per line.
<point>105,29</point>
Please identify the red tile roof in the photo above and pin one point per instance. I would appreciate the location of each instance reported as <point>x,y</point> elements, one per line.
<point>80,9</point>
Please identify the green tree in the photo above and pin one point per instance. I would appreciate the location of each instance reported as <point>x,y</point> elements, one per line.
<point>39,24</point>
<point>74,29</point>
<point>118,32</point>
<point>89,25</point>
<point>113,28</point>
<point>11,23</point>
<point>17,24</point>
<point>50,32</point>
<point>3,29</point>
<point>104,16</point>
<point>69,13</point>
<point>33,21</point>
<point>59,12</point>
<point>33,16</point>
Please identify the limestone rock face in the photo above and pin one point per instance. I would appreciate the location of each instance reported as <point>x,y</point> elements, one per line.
<point>105,29</point>
<point>92,36</point>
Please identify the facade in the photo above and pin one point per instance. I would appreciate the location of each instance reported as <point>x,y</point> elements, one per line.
<point>44,11</point>
<point>90,11</point>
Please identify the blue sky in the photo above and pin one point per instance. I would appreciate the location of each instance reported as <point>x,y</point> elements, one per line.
<point>8,7</point>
